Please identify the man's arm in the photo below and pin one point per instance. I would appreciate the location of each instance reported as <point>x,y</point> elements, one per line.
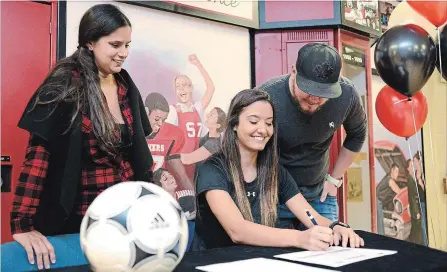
<point>394,187</point>
<point>176,166</point>
<point>344,160</point>
<point>355,126</point>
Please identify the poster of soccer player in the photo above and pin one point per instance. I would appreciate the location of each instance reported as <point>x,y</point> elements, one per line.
<point>187,72</point>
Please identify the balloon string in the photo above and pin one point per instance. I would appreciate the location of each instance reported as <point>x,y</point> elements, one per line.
<point>415,179</point>
<point>422,213</point>
<point>440,57</point>
<point>434,177</point>
<point>397,102</point>
<point>440,67</point>
<point>418,145</point>
<point>441,71</point>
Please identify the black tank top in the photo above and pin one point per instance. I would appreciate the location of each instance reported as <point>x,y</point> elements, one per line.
<point>126,142</point>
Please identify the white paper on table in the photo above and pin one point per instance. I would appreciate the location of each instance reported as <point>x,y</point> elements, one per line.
<point>336,256</point>
<point>260,264</point>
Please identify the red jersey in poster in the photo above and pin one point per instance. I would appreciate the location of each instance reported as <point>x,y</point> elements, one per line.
<point>166,144</point>
<point>189,121</point>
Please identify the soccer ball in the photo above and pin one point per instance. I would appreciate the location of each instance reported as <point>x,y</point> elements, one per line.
<point>132,227</point>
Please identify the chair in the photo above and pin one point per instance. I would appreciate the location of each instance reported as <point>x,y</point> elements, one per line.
<point>67,248</point>
<point>191,231</point>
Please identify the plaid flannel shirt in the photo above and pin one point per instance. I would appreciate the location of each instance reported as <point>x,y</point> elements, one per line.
<point>101,172</point>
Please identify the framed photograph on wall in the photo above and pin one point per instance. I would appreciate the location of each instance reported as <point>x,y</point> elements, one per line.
<point>362,15</point>
<point>236,12</point>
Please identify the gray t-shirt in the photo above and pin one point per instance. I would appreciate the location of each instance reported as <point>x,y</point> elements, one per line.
<point>304,140</point>
<point>212,144</point>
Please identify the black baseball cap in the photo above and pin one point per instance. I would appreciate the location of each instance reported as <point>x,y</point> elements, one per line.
<point>318,70</point>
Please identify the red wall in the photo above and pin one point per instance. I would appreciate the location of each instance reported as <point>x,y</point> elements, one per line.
<point>280,11</point>
<point>276,51</point>
<point>28,50</point>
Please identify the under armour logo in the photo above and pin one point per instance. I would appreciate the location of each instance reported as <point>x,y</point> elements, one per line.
<point>332,125</point>
<point>323,70</point>
<point>158,222</point>
<point>253,194</point>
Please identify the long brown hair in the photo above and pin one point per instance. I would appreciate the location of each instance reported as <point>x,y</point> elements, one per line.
<point>267,160</point>
<point>76,78</point>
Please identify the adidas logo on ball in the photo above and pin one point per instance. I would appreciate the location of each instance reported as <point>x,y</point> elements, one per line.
<point>158,223</point>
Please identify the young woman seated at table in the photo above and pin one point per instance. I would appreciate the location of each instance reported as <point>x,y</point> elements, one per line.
<point>239,188</point>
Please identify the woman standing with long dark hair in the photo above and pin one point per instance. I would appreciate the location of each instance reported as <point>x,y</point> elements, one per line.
<point>87,126</point>
<point>239,188</point>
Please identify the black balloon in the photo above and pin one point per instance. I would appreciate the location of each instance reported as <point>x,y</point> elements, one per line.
<point>443,44</point>
<point>405,58</point>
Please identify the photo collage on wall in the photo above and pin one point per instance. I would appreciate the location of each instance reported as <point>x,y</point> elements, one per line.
<point>362,13</point>
<point>186,82</point>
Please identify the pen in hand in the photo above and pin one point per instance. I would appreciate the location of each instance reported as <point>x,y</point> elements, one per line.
<point>311,218</point>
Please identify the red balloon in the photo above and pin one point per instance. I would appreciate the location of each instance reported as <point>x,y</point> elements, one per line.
<point>395,112</point>
<point>434,11</point>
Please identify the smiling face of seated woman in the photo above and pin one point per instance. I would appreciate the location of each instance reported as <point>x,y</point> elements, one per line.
<point>255,126</point>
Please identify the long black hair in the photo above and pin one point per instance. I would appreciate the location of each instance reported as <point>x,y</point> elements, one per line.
<point>267,160</point>
<point>75,79</point>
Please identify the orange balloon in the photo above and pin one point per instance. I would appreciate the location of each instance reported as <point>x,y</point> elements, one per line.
<point>395,111</point>
<point>434,11</point>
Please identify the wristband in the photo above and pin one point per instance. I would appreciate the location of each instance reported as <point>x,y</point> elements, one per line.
<point>331,226</point>
<point>336,182</point>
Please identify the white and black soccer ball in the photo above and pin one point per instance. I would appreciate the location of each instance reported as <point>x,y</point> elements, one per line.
<point>134,227</point>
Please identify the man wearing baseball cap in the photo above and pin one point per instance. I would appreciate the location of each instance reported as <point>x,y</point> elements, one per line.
<point>312,102</point>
